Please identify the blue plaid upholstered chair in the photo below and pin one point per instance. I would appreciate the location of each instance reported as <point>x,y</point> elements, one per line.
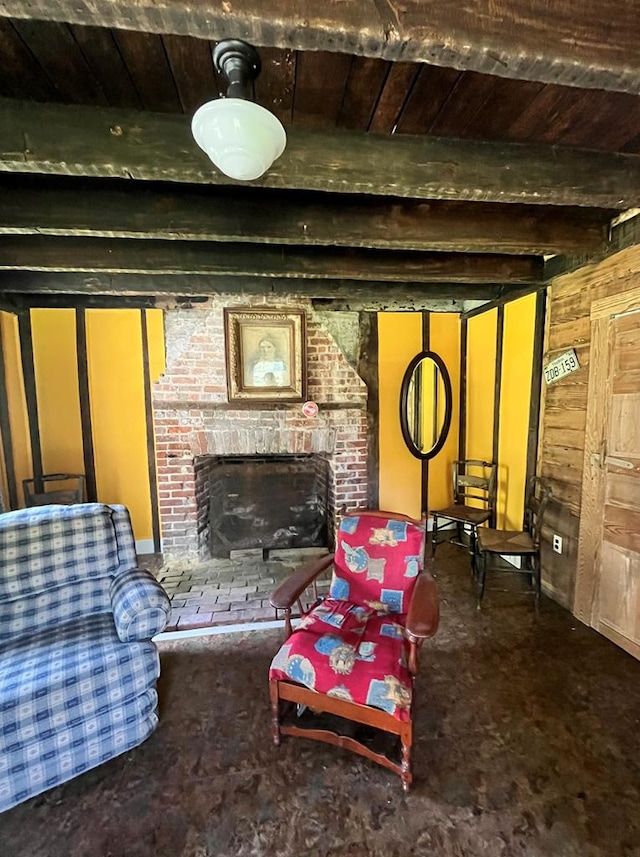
<point>78,668</point>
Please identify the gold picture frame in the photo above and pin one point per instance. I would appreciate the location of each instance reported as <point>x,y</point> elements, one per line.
<point>266,355</point>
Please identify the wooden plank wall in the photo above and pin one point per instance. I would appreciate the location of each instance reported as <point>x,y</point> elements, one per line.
<point>565,406</point>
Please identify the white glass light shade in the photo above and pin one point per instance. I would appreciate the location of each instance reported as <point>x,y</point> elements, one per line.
<point>242,138</point>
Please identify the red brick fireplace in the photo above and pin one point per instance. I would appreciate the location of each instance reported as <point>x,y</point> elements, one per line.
<point>193,417</point>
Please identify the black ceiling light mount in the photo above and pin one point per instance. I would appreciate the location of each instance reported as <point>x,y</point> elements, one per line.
<point>242,138</point>
<point>240,64</point>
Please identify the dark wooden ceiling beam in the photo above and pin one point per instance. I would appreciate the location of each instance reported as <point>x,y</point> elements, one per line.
<point>106,142</point>
<point>57,289</point>
<point>72,207</point>
<point>392,303</point>
<point>123,255</point>
<point>574,42</point>
<point>625,233</point>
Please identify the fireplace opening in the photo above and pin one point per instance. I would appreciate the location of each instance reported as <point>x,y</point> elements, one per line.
<point>262,501</point>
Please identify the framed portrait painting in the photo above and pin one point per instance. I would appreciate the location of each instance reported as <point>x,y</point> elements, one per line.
<point>266,355</point>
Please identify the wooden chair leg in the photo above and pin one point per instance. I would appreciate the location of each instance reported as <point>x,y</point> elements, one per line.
<point>475,558</point>
<point>275,712</point>
<point>535,563</point>
<point>472,551</point>
<point>406,738</point>
<point>481,578</point>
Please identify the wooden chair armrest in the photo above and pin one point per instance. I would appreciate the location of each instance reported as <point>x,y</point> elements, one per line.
<point>424,611</point>
<point>290,590</point>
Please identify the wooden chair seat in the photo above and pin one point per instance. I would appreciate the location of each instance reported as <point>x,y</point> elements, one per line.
<point>505,541</point>
<point>362,647</point>
<point>465,514</point>
<point>64,489</point>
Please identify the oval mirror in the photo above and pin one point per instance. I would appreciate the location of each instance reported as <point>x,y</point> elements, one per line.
<point>425,405</point>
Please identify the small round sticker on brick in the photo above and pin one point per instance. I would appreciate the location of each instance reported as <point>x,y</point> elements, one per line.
<point>310,409</point>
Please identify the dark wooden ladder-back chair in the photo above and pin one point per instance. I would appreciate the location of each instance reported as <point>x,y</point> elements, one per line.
<point>474,504</point>
<point>494,544</point>
<point>353,658</point>
<point>62,488</point>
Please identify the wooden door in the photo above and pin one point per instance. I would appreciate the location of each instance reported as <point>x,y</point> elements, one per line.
<point>608,585</point>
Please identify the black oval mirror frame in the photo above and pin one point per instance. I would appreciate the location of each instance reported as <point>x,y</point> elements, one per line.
<point>404,405</point>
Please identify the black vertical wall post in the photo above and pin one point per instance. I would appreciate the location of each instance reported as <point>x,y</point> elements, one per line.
<point>426,341</point>
<point>151,447</point>
<point>85,406</point>
<point>462,419</point>
<point>5,434</point>
<point>31,397</point>
<point>368,370</point>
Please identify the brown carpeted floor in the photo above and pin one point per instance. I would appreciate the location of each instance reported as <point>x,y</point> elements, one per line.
<point>528,743</point>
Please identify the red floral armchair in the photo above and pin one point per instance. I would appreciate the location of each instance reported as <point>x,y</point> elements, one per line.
<point>354,655</point>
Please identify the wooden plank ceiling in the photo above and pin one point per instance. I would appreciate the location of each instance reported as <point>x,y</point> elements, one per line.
<point>71,64</point>
<point>578,168</point>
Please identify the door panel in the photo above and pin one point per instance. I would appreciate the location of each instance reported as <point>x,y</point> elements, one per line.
<point>616,607</point>
<point>618,600</point>
<point>624,433</point>
<point>608,583</point>
<point>622,527</point>
<point>622,490</point>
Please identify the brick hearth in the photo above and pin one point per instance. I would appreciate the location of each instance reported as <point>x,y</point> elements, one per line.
<point>232,591</point>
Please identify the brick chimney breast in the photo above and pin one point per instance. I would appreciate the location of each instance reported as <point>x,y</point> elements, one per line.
<point>194,418</point>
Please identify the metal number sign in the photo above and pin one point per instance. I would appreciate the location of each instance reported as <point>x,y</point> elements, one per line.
<point>561,366</point>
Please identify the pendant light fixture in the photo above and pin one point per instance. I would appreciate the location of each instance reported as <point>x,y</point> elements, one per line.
<point>242,138</point>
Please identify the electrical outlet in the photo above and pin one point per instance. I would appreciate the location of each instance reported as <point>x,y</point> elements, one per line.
<point>557,543</point>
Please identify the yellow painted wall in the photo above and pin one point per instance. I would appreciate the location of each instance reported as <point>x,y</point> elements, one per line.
<point>114,344</point>
<point>157,360</point>
<point>515,394</point>
<point>16,401</point>
<point>444,339</point>
<point>56,369</point>
<point>114,355</point>
<point>481,367</point>
<point>4,485</point>
<point>399,340</point>
<point>117,401</point>
<point>517,361</point>
<point>480,390</point>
